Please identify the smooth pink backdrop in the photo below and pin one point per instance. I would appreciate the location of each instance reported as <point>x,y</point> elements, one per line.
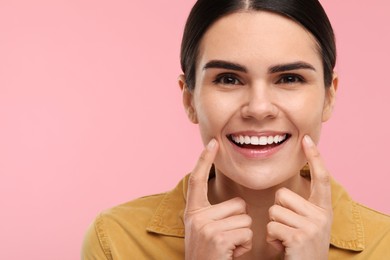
<point>91,114</point>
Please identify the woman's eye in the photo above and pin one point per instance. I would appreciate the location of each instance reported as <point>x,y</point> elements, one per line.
<point>227,80</point>
<point>290,79</point>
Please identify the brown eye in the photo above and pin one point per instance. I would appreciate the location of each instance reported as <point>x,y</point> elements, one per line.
<point>227,80</point>
<point>290,79</point>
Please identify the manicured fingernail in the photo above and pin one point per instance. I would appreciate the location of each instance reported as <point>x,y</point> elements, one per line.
<point>308,140</point>
<point>211,144</point>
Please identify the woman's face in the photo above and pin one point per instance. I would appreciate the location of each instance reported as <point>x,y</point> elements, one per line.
<point>259,90</point>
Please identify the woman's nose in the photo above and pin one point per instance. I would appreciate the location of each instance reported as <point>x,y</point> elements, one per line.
<point>260,103</point>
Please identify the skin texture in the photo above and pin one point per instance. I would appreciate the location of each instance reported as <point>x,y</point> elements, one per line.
<point>229,217</point>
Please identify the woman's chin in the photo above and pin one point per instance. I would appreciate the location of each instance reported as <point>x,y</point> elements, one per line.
<point>262,178</point>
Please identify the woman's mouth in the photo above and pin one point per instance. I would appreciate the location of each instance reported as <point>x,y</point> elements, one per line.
<point>255,146</point>
<point>253,142</point>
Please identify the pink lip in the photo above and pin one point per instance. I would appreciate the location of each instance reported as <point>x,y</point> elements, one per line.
<point>259,134</point>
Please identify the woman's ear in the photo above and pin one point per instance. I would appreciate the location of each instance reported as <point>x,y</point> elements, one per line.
<point>330,98</point>
<point>187,100</point>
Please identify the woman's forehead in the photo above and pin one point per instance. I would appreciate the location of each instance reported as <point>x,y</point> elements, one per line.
<point>258,35</point>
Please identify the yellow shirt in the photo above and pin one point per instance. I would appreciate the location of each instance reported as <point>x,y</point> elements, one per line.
<point>152,228</point>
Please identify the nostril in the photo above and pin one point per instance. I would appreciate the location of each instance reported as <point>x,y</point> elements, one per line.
<point>260,110</point>
<point>260,103</point>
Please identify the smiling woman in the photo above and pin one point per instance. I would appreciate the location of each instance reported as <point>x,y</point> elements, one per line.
<point>240,96</point>
<point>258,79</point>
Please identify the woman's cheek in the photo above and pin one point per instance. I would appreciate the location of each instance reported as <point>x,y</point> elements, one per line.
<point>313,129</point>
<point>208,124</point>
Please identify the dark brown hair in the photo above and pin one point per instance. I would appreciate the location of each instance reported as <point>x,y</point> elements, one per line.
<point>308,13</point>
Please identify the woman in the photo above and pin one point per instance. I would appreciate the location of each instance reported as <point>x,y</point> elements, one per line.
<point>258,80</point>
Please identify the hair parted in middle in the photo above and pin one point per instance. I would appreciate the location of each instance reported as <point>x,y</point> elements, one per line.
<point>308,13</point>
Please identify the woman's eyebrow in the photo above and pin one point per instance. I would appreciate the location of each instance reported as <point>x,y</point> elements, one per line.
<point>220,64</point>
<point>290,66</point>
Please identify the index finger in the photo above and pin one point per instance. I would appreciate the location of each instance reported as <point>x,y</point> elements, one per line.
<point>197,183</point>
<point>320,193</point>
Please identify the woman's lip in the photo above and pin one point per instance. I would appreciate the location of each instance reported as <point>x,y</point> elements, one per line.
<point>264,152</point>
<point>258,133</point>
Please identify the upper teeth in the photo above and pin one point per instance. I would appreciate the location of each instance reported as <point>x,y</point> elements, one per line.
<point>258,140</point>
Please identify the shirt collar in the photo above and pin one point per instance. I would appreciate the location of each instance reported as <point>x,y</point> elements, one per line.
<point>347,228</point>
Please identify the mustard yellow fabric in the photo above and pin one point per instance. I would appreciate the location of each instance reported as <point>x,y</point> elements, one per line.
<point>152,228</point>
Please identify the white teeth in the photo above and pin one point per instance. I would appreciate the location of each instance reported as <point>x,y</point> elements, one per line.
<point>263,140</point>
<point>256,140</point>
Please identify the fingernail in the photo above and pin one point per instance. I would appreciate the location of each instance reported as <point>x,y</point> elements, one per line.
<point>211,144</point>
<point>308,140</point>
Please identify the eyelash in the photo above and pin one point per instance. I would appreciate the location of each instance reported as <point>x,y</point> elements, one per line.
<point>233,79</point>
<point>288,79</point>
<point>296,79</point>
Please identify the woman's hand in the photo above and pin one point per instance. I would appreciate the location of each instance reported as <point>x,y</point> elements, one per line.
<point>301,228</point>
<point>220,231</point>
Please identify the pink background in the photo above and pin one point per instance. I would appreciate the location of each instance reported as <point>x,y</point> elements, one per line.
<point>91,115</point>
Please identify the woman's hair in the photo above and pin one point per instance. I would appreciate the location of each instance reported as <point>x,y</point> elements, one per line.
<point>308,13</point>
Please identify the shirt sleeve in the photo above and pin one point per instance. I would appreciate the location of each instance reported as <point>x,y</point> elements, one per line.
<point>95,245</point>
